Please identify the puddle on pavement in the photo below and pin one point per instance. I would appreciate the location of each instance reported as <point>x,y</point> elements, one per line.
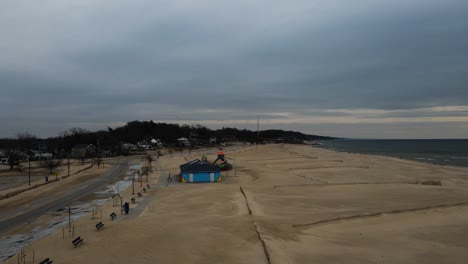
<point>10,245</point>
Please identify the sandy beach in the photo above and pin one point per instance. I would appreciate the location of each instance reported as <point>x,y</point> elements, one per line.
<point>282,204</point>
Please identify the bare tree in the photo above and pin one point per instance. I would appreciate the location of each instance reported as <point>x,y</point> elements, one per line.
<point>99,161</point>
<point>24,140</point>
<point>145,171</point>
<point>73,131</point>
<point>52,164</point>
<point>14,158</point>
<point>25,135</point>
<point>149,158</point>
<point>83,157</point>
<point>13,147</point>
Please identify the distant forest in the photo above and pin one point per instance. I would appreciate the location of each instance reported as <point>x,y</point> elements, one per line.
<point>138,131</point>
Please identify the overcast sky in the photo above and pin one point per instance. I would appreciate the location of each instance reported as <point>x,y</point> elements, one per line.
<point>366,69</point>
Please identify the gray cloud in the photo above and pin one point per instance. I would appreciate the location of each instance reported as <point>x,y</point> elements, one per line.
<point>98,63</point>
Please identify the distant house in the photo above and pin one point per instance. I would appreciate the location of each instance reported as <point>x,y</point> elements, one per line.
<point>5,155</point>
<point>183,142</point>
<point>83,151</point>
<point>4,160</point>
<point>193,138</point>
<point>43,156</point>
<point>37,155</point>
<point>199,171</point>
<point>129,147</point>
<point>156,142</point>
<point>146,144</point>
<point>106,153</point>
<point>39,145</point>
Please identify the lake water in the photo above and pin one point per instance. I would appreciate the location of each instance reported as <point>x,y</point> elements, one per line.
<point>451,152</point>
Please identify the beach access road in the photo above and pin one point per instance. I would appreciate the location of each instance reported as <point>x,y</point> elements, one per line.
<point>16,213</point>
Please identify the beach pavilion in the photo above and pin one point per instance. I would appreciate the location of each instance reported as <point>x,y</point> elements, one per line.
<point>199,171</point>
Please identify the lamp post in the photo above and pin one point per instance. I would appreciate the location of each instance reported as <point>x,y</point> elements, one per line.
<point>141,179</point>
<point>133,184</point>
<point>29,165</point>
<point>98,155</point>
<point>68,164</point>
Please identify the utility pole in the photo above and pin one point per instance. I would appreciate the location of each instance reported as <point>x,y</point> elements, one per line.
<point>69,219</point>
<point>258,129</point>
<point>29,163</point>
<point>258,125</point>
<point>68,164</point>
<point>98,154</point>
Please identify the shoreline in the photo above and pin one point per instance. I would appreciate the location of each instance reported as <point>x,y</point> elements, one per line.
<point>248,219</point>
<point>393,157</point>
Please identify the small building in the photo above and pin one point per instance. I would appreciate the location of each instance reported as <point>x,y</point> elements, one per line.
<point>156,142</point>
<point>129,147</point>
<point>106,154</point>
<point>183,142</point>
<point>39,145</point>
<point>43,156</point>
<point>213,140</point>
<point>81,151</point>
<point>199,171</point>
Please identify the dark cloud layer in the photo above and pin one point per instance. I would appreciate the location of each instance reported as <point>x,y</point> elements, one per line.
<point>99,63</point>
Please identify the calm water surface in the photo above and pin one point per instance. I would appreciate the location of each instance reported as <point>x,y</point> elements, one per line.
<point>452,152</point>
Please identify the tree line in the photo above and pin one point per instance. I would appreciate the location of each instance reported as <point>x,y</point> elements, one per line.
<point>137,131</point>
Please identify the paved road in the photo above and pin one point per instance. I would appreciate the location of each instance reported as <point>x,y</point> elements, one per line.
<point>62,198</point>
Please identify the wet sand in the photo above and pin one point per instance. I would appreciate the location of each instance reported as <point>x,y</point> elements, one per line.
<point>285,204</point>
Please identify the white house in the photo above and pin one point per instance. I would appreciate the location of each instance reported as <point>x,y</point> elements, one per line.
<point>183,142</point>
<point>43,156</point>
<point>156,142</point>
<point>131,147</point>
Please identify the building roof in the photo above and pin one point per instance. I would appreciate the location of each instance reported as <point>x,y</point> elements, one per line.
<point>198,166</point>
<point>83,146</point>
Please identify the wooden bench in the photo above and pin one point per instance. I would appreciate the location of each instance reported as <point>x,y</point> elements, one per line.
<point>77,241</point>
<point>144,189</point>
<point>133,199</point>
<point>113,216</point>
<point>140,195</point>
<point>46,261</point>
<point>99,225</point>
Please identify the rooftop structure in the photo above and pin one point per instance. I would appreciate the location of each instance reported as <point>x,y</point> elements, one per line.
<point>199,171</point>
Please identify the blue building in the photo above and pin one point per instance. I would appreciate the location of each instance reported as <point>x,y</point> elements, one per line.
<point>199,171</point>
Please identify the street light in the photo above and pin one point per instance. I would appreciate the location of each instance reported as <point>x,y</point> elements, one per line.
<point>68,164</point>
<point>141,179</point>
<point>133,184</point>
<point>29,165</point>
<point>98,154</point>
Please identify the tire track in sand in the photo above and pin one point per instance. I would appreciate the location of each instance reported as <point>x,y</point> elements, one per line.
<point>265,249</point>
